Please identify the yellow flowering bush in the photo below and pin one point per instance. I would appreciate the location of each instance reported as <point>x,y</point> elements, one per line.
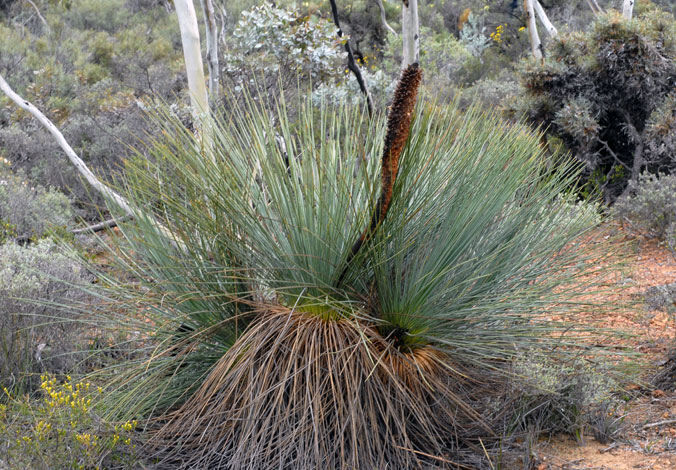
<point>497,34</point>
<point>59,429</point>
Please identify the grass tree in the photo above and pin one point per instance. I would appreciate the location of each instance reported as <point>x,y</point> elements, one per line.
<point>326,308</point>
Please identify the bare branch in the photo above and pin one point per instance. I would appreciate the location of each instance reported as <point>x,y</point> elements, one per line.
<point>110,223</point>
<point>535,44</point>
<point>599,8</point>
<point>595,7</point>
<point>80,165</point>
<point>351,63</point>
<point>44,22</point>
<point>613,154</point>
<point>383,18</point>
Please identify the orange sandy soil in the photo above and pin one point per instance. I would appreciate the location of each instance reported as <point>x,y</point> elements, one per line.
<point>648,439</point>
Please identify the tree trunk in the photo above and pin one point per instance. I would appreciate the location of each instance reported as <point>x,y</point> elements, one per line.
<point>595,7</point>
<point>212,46</point>
<point>410,31</point>
<point>535,44</point>
<point>627,9</point>
<point>190,38</point>
<point>545,21</point>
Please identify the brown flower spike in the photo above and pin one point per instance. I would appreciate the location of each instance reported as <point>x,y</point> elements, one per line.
<point>398,130</point>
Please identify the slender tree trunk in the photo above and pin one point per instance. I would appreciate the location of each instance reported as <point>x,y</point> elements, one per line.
<point>410,31</point>
<point>351,63</point>
<point>192,52</point>
<point>627,9</point>
<point>535,44</point>
<point>37,11</point>
<point>383,17</point>
<point>545,21</point>
<point>212,46</point>
<point>190,37</point>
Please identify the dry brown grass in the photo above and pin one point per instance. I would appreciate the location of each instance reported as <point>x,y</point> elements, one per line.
<point>299,391</point>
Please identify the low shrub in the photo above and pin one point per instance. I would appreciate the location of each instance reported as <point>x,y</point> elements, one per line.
<point>564,396</point>
<point>608,95</point>
<point>650,206</point>
<point>28,211</point>
<point>59,428</point>
<point>38,332</point>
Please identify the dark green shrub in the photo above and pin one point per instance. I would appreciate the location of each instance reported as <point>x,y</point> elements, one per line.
<point>605,94</point>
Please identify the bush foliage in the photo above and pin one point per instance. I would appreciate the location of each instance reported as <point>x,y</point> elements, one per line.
<point>59,428</point>
<point>28,211</point>
<point>607,94</point>
<point>39,330</point>
<point>650,206</point>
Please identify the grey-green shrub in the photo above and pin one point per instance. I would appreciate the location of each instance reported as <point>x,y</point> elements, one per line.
<point>31,209</point>
<point>650,206</point>
<point>37,329</point>
<point>272,44</point>
<point>561,396</point>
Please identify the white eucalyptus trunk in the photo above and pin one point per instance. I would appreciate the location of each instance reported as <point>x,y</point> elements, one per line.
<point>628,9</point>
<point>190,38</point>
<point>410,31</point>
<point>535,44</point>
<point>212,46</point>
<point>544,20</point>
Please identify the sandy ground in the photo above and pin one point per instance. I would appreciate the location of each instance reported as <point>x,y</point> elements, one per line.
<point>648,440</point>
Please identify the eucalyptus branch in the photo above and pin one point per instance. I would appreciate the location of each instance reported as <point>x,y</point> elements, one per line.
<point>383,17</point>
<point>212,46</point>
<point>535,43</point>
<point>410,33</point>
<point>110,223</point>
<point>544,19</point>
<point>613,154</point>
<point>627,9</point>
<point>79,164</point>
